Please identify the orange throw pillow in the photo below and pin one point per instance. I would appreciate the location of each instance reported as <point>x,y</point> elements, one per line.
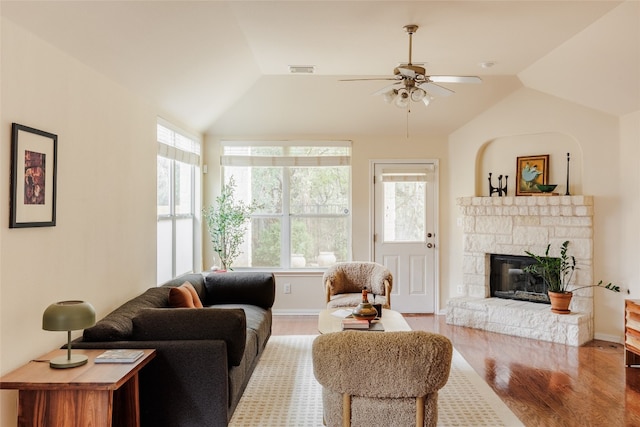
<point>194,294</point>
<point>184,296</point>
<point>180,297</point>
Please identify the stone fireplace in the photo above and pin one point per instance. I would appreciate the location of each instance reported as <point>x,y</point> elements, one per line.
<point>509,226</point>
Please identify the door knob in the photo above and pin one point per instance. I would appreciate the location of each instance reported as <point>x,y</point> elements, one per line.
<point>430,245</point>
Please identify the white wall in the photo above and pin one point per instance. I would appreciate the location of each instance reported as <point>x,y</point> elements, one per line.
<point>103,247</point>
<point>608,173</point>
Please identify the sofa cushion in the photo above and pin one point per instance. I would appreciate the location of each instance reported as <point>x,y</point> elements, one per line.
<point>118,325</point>
<point>240,288</point>
<point>228,325</point>
<point>258,320</point>
<point>239,375</point>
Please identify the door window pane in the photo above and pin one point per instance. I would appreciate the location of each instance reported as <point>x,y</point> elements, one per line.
<point>404,211</point>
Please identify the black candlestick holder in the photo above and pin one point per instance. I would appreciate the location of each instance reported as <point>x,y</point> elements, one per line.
<point>502,191</point>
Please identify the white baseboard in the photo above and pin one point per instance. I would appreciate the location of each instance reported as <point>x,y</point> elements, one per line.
<point>607,337</point>
<point>296,312</point>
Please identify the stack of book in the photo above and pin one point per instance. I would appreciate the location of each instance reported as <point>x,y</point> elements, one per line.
<point>351,323</point>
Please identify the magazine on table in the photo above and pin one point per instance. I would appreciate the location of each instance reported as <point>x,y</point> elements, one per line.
<point>119,356</point>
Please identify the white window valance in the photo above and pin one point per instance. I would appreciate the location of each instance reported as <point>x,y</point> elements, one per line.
<point>424,174</point>
<point>177,145</point>
<point>288,153</point>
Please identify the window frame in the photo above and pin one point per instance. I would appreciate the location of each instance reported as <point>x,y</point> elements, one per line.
<point>175,155</point>
<point>286,217</point>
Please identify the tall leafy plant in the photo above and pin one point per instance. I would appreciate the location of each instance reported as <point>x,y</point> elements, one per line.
<point>555,272</point>
<point>227,220</point>
<point>558,272</point>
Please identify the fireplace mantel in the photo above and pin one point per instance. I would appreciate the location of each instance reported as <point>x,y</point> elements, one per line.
<point>509,226</point>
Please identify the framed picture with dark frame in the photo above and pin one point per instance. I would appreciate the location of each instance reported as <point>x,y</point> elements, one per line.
<point>530,171</point>
<point>33,177</point>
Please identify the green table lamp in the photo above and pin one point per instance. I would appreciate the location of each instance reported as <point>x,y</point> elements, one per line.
<point>68,316</point>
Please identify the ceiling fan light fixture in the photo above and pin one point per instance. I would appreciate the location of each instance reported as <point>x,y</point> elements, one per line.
<point>427,99</point>
<point>402,99</point>
<point>417,94</point>
<point>390,95</point>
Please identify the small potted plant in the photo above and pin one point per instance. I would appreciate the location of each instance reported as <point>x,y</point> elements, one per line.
<point>557,274</point>
<point>227,220</point>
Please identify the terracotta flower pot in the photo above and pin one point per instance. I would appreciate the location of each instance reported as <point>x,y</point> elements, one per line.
<point>560,302</point>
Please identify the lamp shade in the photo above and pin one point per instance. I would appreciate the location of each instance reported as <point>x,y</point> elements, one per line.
<point>390,95</point>
<point>402,99</point>
<point>68,316</point>
<point>418,94</point>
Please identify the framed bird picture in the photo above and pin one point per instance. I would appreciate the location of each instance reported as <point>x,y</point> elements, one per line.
<point>531,171</point>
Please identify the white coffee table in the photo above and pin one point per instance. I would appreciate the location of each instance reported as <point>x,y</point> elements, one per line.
<point>391,320</point>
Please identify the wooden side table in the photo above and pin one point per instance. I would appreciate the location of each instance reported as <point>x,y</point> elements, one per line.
<point>103,394</point>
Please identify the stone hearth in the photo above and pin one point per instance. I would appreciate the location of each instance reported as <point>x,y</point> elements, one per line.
<point>509,226</point>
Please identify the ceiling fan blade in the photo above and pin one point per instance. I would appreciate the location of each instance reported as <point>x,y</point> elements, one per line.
<point>436,90</point>
<point>372,78</point>
<point>386,88</point>
<point>455,79</point>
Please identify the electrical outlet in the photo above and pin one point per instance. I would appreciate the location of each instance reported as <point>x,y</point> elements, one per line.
<point>287,288</point>
<point>460,289</point>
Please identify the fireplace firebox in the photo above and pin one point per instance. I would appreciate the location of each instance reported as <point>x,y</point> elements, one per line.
<point>508,280</point>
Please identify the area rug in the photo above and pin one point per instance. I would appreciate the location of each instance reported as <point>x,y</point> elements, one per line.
<point>283,392</point>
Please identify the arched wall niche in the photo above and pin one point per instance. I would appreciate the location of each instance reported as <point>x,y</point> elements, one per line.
<point>499,157</point>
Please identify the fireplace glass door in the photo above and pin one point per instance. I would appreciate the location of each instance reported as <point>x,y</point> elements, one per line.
<point>508,280</point>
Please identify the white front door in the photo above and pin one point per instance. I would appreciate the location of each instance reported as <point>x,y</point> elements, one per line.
<point>405,239</point>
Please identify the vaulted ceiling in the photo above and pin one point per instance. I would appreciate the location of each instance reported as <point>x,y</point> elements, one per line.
<point>222,66</point>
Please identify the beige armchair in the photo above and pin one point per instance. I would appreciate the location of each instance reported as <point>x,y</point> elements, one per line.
<point>344,282</point>
<point>381,378</point>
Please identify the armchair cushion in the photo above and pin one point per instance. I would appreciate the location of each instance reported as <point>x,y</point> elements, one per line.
<point>353,277</point>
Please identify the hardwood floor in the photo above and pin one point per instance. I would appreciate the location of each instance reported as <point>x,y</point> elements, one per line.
<point>544,384</point>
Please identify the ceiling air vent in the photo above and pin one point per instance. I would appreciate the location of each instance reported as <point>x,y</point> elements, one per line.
<point>302,69</point>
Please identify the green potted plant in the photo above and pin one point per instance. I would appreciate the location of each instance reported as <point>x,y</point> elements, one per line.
<point>227,220</point>
<point>557,274</point>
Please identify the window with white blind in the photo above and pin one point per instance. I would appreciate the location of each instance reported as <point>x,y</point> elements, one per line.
<point>304,193</point>
<point>178,193</point>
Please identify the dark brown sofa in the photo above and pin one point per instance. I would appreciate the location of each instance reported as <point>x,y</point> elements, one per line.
<point>205,356</point>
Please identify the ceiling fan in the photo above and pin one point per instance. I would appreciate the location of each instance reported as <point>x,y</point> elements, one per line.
<point>413,84</point>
